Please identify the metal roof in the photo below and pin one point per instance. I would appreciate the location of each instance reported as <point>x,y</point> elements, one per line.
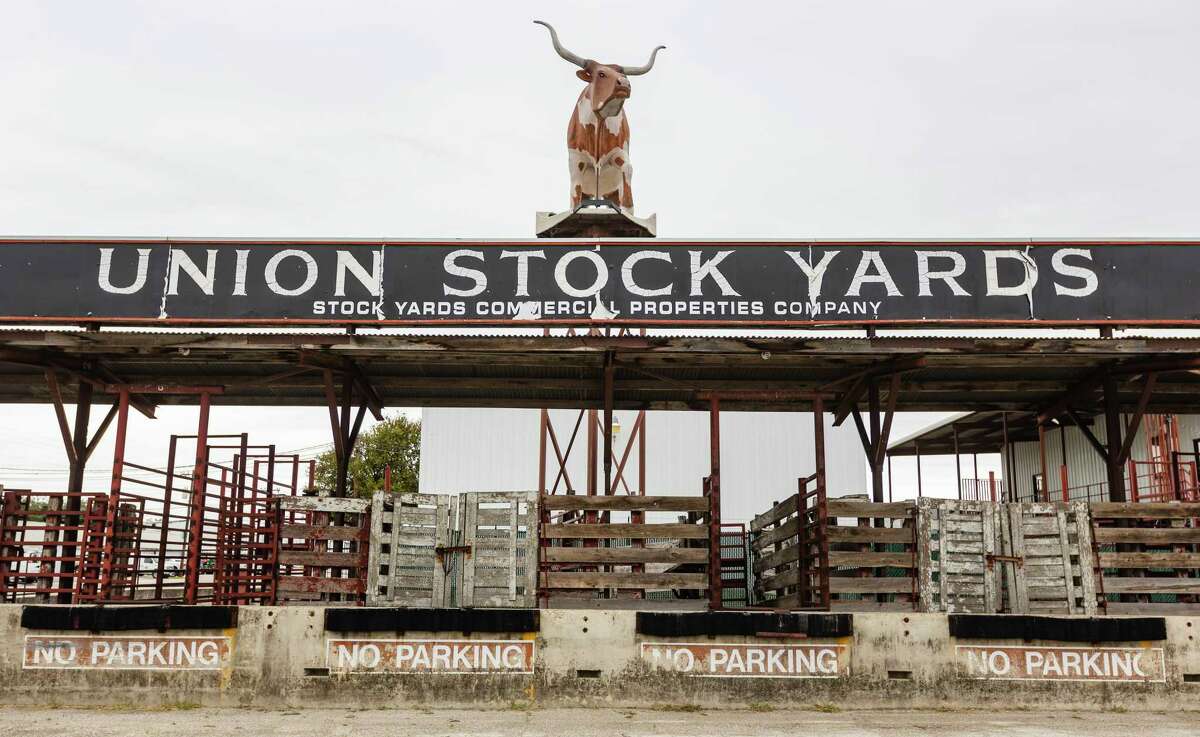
<point>650,372</point>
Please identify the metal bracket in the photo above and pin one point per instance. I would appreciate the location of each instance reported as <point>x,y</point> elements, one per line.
<point>1016,560</point>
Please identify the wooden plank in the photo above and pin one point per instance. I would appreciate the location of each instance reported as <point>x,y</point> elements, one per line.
<point>678,531</point>
<point>1151,585</point>
<point>626,555</point>
<point>1162,559</point>
<point>1167,608</point>
<point>317,585</point>
<point>374,551</point>
<point>1146,536</point>
<point>856,559</point>
<point>322,504</point>
<point>1017,575</point>
<point>777,558</point>
<point>466,591</point>
<point>786,579</point>
<point>776,513</point>
<point>321,559</point>
<point>563,502</point>
<point>925,584</point>
<point>1087,573</point>
<point>776,535</point>
<point>856,585</point>
<point>595,580</point>
<point>1144,510</point>
<point>1068,579</point>
<point>870,510</point>
<point>871,535</point>
<point>322,532</point>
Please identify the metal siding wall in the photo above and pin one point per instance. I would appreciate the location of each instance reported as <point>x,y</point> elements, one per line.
<point>1084,465</point>
<point>762,454</point>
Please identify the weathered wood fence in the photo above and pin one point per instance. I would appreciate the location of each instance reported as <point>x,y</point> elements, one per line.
<point>963,556</point>
<point>586,553</point>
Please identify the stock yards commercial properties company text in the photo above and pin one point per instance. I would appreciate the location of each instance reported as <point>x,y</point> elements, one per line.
<point>498,282</point>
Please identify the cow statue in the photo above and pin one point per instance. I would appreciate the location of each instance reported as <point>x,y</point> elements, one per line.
<point>598,134</point>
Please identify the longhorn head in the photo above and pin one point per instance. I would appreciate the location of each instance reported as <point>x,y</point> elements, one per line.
<point>609,83</point>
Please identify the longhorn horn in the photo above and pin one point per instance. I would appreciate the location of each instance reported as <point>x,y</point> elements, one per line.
<point>634,71</point>
<point>575,59</point>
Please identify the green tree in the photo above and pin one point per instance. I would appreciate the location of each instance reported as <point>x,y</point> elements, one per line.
<point>395,442</point>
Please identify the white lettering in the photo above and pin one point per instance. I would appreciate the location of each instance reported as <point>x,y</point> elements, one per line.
<point>104,277</point>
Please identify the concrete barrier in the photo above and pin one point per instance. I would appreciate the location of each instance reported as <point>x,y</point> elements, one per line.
<point>278,656</point>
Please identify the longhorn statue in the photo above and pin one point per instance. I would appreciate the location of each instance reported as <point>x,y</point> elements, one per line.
<point>598,134</point>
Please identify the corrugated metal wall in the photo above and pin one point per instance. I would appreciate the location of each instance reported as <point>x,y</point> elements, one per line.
<point>762,453</point>
<point>1085,468</point>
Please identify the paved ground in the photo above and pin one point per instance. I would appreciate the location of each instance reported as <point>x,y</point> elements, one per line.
<point>18,722</point>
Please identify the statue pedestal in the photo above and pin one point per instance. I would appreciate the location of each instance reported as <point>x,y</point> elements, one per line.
<point>594,219</point>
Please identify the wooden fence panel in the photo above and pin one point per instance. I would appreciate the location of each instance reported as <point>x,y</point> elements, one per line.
<point>873,555</point>
<point>327,544</point>
<point>586,552</point>
<point>1149,556</point>
<point>956,541</point>
<point>499,563</point>
<point>1047,559</point>
<point>405,567</point>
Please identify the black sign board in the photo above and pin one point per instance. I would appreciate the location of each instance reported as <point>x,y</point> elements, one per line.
<point>696,283</point>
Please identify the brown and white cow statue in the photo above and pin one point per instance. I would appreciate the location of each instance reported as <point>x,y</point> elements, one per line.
<point>598,134</point>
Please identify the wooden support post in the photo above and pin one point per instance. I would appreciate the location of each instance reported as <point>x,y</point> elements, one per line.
<point>957,461</point>
<point>917,446</point>
<point>1112,428</point>
<point>714,504</point>
<point>822,512</point>
<point>876,465</point>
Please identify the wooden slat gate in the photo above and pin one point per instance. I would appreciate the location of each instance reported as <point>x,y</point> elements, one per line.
<point>409,533</point>
<point>1047,559</point>
<point>957,539</point>
<point>790,547</point>
<point>498,550</point>
<point>475,549</point>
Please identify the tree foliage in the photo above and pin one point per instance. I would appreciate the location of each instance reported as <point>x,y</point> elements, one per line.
<point>395,442</point>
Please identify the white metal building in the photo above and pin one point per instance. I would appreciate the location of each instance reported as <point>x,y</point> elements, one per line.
<point>762,453</point>
<point>1151,453</point>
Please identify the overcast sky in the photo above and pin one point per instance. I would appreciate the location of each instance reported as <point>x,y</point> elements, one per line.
<point>792,119</point>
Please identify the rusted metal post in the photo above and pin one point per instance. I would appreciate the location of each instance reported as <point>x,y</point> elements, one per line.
<point>609,373</point>
<point>387,478</point>
<point>992,485</point>
<point>714,504</point>
<point>543,430</point>
<point>165,525</point>
<point>114,495</point>
<point>1062,440</point>
<point>191,586</point>
<point>1133,481</point>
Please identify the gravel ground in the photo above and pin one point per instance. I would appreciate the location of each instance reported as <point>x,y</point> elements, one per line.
<point>666,722</point>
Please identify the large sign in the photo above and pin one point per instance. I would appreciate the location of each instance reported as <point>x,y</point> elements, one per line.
<point>435,657</point>
<point>572,282</point>
<point>126,653</point>
<point>737,660</point>
<point>1010,663</point>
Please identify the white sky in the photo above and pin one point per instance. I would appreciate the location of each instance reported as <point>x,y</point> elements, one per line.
<point>792,119</point>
